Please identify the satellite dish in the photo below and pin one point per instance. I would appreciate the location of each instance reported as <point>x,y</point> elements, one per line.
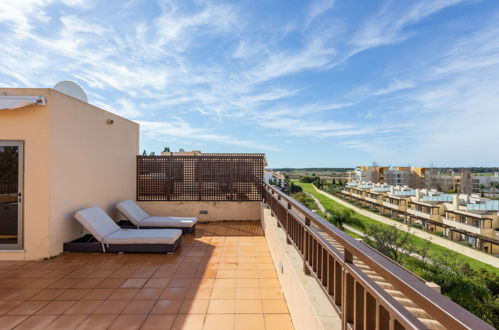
<point>72,89</point>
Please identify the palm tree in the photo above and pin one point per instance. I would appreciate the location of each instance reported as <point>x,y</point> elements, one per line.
<point>341,217</point>
<point>482,188</point>
<point>493,186</point>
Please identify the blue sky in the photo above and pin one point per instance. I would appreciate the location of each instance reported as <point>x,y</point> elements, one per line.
<point>312,84</point>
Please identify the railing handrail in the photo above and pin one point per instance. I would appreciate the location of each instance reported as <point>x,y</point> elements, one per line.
<point>438,306</point>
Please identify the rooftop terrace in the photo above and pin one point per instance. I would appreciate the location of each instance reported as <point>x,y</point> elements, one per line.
<point>221,278</point>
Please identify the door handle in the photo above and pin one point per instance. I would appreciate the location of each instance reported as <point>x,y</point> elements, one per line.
<point>16,194</point>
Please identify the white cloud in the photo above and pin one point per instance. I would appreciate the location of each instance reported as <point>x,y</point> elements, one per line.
<point>388,26</point>
<point>317,8</point>
<point>394,86</point>
<point>178,128</point>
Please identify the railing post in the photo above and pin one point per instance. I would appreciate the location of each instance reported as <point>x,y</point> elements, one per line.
<point>287,222</point>
<point>305,246</point>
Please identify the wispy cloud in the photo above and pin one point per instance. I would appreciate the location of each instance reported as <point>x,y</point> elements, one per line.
<point>394,86</point>
<point>178,128</point>
<point>317,8</point>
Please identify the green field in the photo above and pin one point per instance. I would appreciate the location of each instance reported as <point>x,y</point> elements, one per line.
<point>435,250</point>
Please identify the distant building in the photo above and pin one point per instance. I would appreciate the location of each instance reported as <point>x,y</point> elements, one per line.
<point>458,216</point>
<point>484,183</point>
<point>393,175</point>
<point>449,182</point>
<point>274,177</point>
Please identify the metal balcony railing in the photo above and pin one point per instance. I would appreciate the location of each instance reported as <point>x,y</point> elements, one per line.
<point>359,300</point>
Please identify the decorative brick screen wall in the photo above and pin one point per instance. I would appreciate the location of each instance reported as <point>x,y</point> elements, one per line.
<point>207,177</point>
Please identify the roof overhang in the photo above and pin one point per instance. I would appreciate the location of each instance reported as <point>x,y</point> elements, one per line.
<point>9,102</point>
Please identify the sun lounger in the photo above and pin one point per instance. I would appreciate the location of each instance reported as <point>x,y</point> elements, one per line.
<point>141,219</point>
<point>112,238</point>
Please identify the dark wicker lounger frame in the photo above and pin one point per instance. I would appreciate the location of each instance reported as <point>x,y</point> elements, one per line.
<point>88,243</point>
<point>127,224</point>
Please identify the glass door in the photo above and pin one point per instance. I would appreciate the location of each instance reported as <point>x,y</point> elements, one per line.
<point>11,194</point>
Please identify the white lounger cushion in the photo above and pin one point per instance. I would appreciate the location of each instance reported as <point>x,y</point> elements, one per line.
<point>143,236</point>
<point>138,217</point>
<point>132,212</point>
<point>97,222</point>
<point>169,222</point>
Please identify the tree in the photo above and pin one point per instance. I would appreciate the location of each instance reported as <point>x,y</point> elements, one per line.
<point>144,153</point>
<point>341,217</point>
<point>152,153</point>
<point>482,189</point>
<point>493,186</point>
<point>394,243</point>
<point>475,291</point>
<point>167,149</point>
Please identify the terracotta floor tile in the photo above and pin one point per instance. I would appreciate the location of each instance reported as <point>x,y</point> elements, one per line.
<point>159,322</point>
<point>226,274</point>
<point>247,274</point>
<point>167,306</point>
<point>157,283</point>
<point>223,293</point>
<point>271,306</point>
<point>219,322</point>
<point>111,283</point>
<point>123,294</point>
<point>112,306</point>
<point>64,283</point>
<point>251,306</point>
<point>180,283</point>
<point>139,307</point>
<point>41,283</point>
<point>134,283</point>
<point>174,293</point>
<point>22,294</point>
<point>163,274</point>
<point>189,322</point>
<point>198,306</point>
<point>267,274</point>
<point>84,307</point>
<point>249,322</point>
<point>148,294</point>
<point>87,283</point>
<point>269,283</point>
<point>222,306</point>
<point>66,322</point>
<point>203,283</point>
<point>278,321</point>
<point>56,307</point>
<point>7,305</point>
<point>10,321</point>
<point>47,294</point>
<point>128,322</point>
<point>247,283</point>
<point>28,307</point>
<point>248,293</point>
<point>73,294</point>
<point>98,294</point>
<point>97,322</point>
<point>198,293</point>
<point>225,283</point>
<point>36,322</point>
<point>271,293</point>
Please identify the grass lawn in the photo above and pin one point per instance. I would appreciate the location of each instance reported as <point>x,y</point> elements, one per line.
<point>435,250</point>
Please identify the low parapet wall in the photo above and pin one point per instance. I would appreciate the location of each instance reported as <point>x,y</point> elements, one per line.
<point>205,211</point>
